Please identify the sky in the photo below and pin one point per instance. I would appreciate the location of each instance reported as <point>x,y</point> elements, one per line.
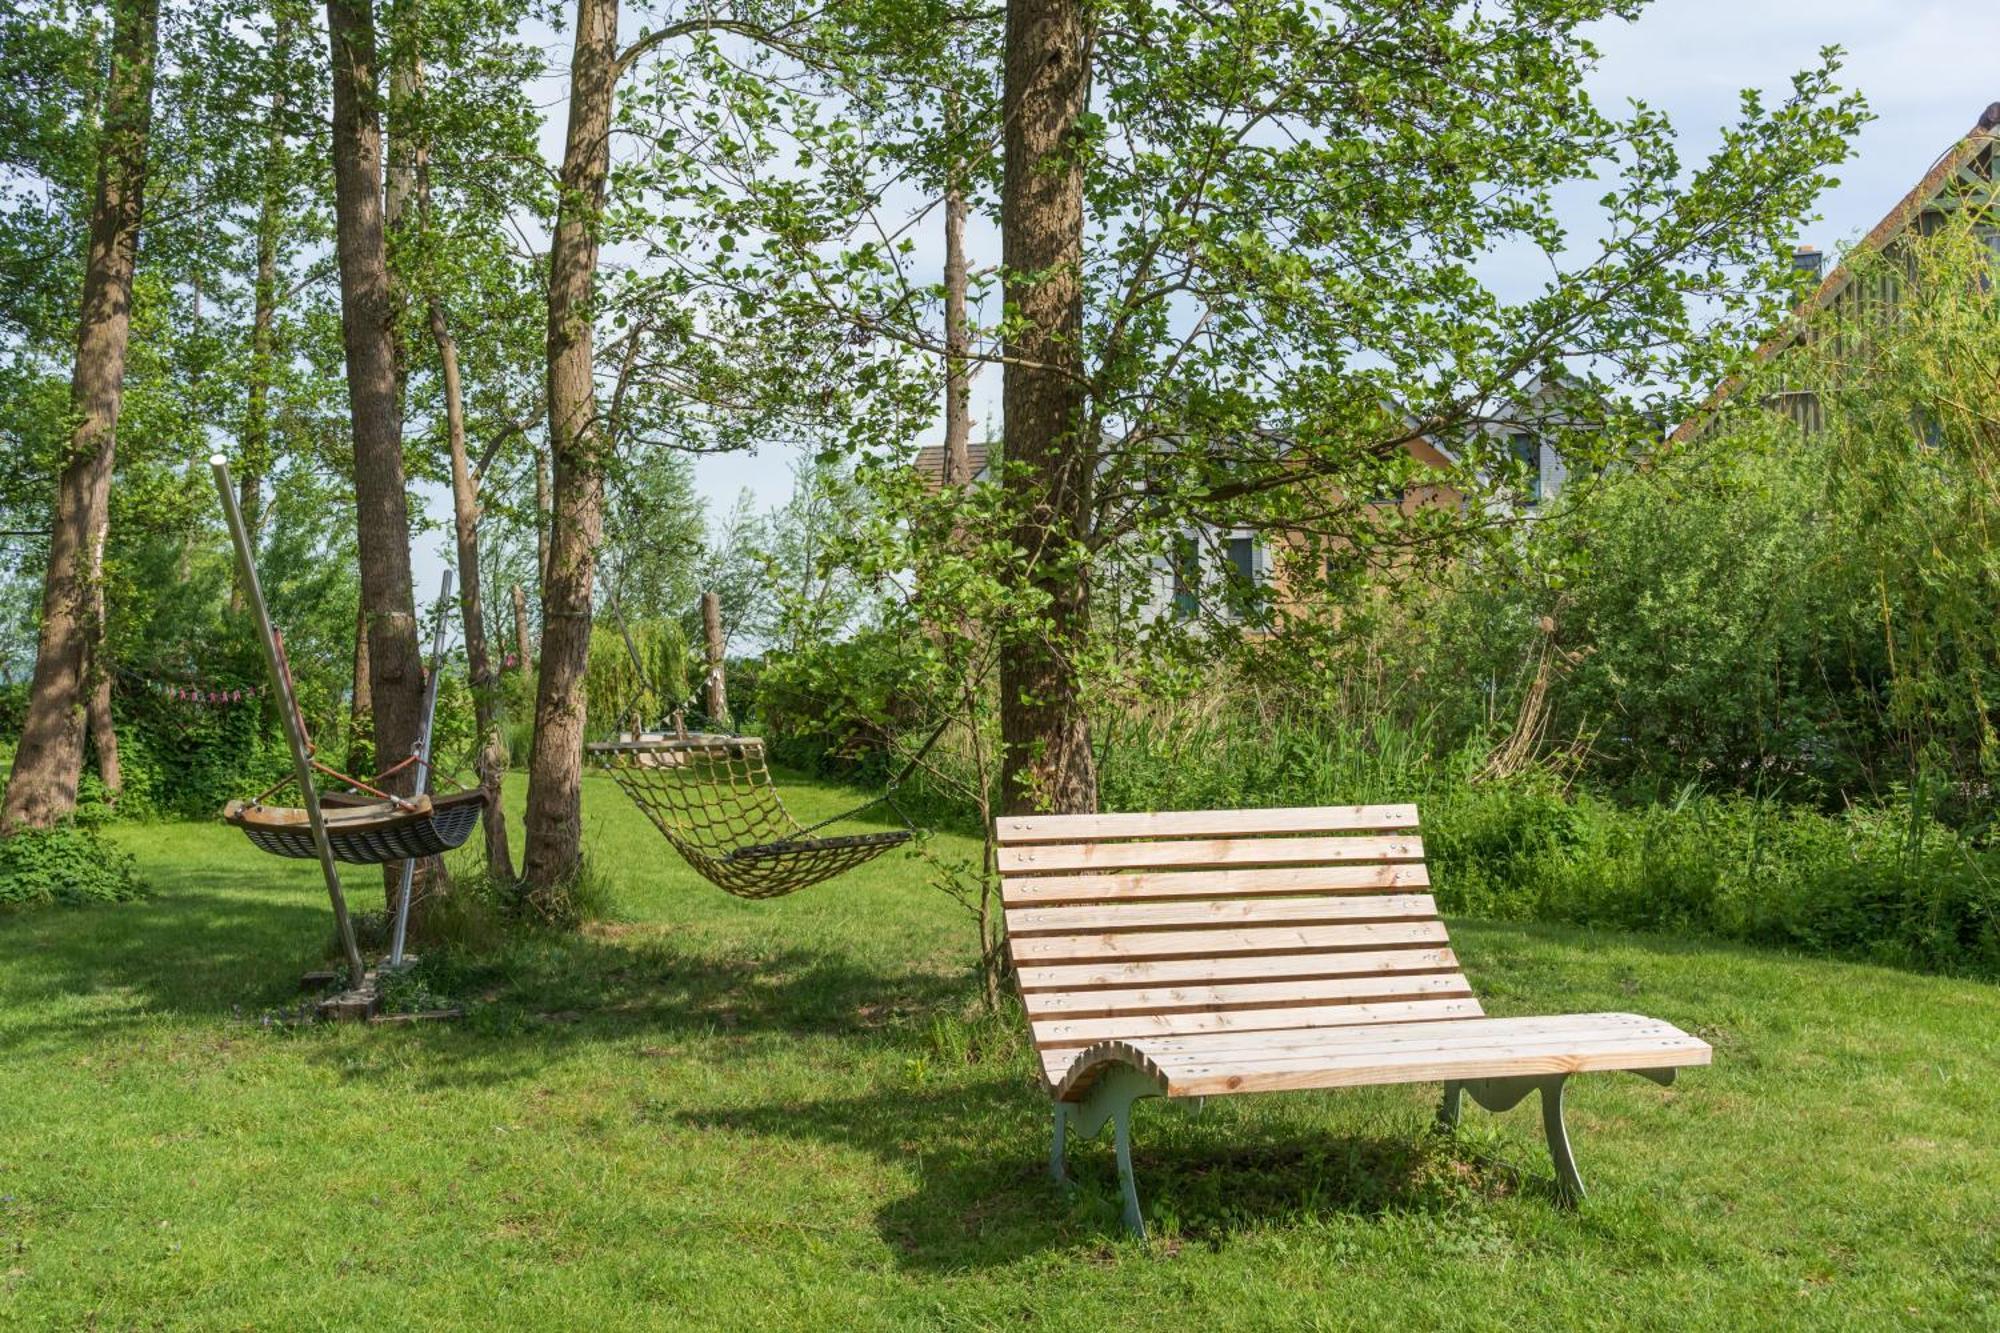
<point>1925,68</point>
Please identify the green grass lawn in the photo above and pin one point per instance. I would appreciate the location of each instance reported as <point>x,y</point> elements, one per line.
<point>790,1114</point>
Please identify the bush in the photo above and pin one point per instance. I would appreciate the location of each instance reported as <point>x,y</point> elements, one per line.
<point>69,863</point>
<point>1882,883</point>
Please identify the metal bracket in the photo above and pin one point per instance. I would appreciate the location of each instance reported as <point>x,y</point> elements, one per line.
<point>1504,1094</point>
<point>1110,1099</point>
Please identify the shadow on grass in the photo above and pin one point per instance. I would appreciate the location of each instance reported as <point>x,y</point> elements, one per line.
<point>983,1197</point>
<point>191,951</point>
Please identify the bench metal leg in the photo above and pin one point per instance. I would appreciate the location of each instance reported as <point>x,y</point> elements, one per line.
<point>1110,1100</point>
<point>1450,1108</point>
<point>1503,1094</point>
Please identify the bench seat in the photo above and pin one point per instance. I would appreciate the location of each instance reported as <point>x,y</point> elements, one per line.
<point>1206,953</point>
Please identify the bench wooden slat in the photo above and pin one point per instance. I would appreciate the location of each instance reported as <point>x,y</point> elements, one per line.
<point>1398,1036</point>
<point>1220,943</point>
<point>1089,1031</point>
<point>1168,885</point>
<point>1467,1063</point>
<point>1082,977</point>
<point>1218,852</point>
<point>1026,829</point>
<point>1025,921</point>
<point>1246,995</point>
<point>1215,1057</point>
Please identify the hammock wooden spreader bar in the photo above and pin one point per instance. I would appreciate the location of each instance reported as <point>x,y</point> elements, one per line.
<point>713,799</point>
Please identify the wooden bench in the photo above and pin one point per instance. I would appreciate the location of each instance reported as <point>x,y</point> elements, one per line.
<point>1201,953</point>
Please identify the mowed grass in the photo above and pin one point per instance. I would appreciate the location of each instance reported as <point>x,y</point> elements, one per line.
<point>709,1113</point>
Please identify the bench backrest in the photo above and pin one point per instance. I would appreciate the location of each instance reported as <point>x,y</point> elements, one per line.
<point>1173,924</point>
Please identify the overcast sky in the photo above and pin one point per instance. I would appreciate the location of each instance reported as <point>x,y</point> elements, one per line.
<point>1926,68</point>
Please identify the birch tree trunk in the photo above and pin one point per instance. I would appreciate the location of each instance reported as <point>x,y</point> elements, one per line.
<point>715,687</point>
<point>524,651</point>
<point>1048,764</point>
<point>395,669</point>
<point>957,332</point>
<point>49,759</point>
<point>555,768</point>
<point>97,675</point>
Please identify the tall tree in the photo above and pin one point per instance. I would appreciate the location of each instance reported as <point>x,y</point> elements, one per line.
<point>555,764</point>
<point>255,455</point>
<point>395,668</point>
<point>1050,460</point>
<point>49,760</point>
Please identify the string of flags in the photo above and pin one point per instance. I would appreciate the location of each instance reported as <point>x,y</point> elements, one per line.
<point>207,697</point>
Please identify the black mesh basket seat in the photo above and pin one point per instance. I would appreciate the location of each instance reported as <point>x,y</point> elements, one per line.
<point>713,799</point>
<point>363,833</point>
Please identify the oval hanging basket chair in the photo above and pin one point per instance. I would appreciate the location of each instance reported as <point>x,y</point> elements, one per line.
<point>363,832</point>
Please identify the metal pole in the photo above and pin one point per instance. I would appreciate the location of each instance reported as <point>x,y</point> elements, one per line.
<point>423,765</point>
<point>288,708</point>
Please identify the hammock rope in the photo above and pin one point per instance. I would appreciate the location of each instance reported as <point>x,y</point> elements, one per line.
<point>713,800</point>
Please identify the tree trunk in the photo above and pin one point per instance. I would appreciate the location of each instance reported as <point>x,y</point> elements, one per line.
<point>492,761</point>
<point>97,674</point>
<point>542,521</point>
<point>49,758</point>
<point>555,769</point>
<point>395,666</point>
<point>255,459</point>
<point>524,651</point>
<point>406,162</point>
<point>1048,764</point>
<point>715,689</point>
<point>957,333</point>
<point>360,711</point>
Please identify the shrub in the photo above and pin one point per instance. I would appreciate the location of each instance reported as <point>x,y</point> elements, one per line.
<point>69,863</point>
<point>1882,883</point>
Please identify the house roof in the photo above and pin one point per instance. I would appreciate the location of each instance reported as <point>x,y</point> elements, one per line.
<point>1978,141</point>
<point>930,461</point>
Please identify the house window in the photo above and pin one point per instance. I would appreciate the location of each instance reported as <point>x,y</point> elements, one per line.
<point>1185,553</point>
<point>1528,451</point>
<point>1242,553</point>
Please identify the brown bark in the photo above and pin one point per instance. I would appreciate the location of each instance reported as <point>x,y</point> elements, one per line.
<point>715,690</point>
<point>957,332</point>
<point>555,768</point>
<point>49,758</point>
<point>395,668</point>
<point>1048,764</point>
<point>524,651</point>
<point>491,763</point>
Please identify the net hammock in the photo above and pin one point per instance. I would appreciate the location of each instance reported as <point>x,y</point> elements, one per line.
<point>713,799</point>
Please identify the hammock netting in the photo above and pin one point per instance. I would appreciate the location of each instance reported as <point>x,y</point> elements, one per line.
<point>712,798</point>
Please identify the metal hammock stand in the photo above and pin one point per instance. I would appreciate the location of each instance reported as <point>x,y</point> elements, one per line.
<point>714,800</point>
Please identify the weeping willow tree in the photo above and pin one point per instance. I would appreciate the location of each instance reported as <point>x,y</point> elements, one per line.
<point>628,695</point>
